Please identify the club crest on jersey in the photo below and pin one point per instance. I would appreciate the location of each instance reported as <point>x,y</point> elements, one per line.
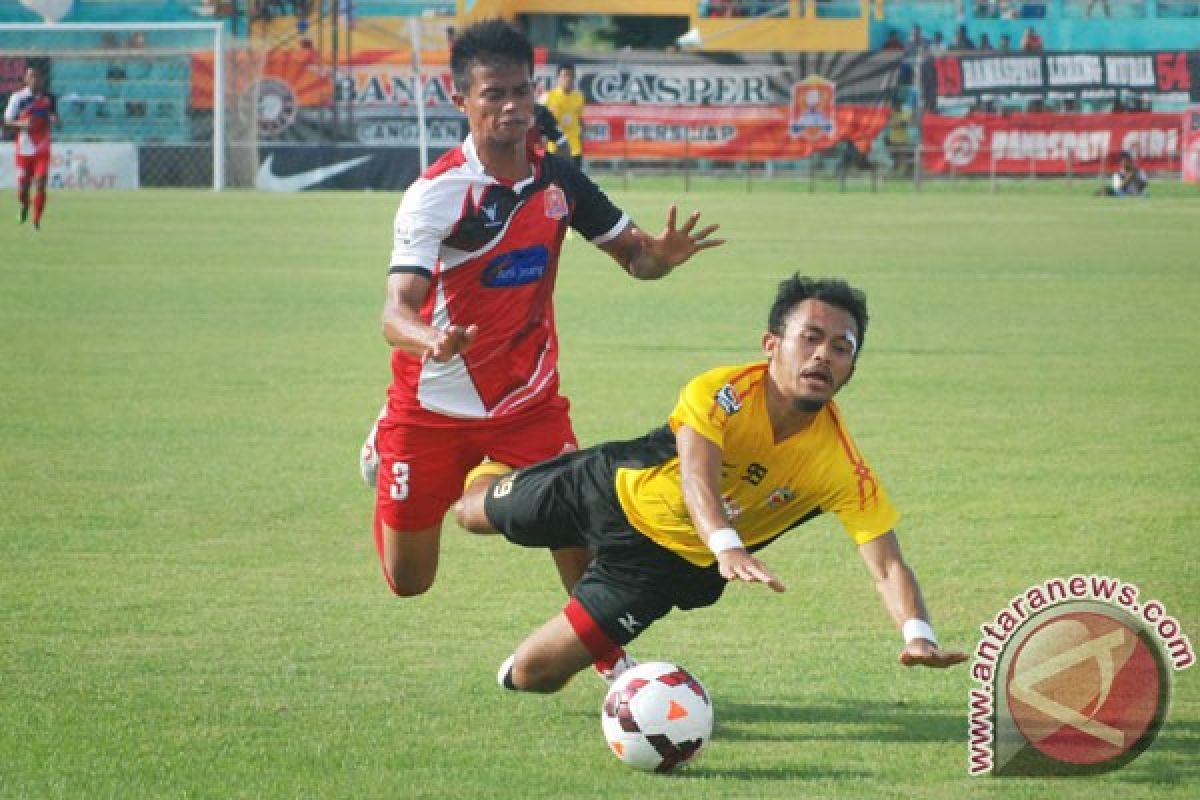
<point>556,202</point>
<point>727,398</point>
<point>780,497</point>
<point>733,509</point>
<point>516,268</point>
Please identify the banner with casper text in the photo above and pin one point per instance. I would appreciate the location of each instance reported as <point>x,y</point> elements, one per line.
<point>84,166</point>
<point>643,106</point>
<point>1048,143</point>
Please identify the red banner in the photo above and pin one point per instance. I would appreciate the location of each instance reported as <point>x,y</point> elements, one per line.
<point>1049,143</point>
<point>1191,146</point>
<point>764,132</point>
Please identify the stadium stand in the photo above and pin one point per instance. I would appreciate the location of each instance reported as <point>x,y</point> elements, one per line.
<point>1063,24</point>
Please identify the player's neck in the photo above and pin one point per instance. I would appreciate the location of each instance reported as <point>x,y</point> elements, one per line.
<point>509,163</point>
<point>786,420</point>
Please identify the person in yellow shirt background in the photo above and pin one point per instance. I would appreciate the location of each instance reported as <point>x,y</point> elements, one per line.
<point>566,103</point>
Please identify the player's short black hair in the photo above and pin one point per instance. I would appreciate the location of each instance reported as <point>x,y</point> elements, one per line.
<point>491,42</point>
<point>567,66</point>
<point>836,292</point>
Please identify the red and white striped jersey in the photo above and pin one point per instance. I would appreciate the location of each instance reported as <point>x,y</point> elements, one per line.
<point>37,109</point>
<point>491,250</point>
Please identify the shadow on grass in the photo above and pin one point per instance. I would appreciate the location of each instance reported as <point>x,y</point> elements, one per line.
<point>772,773</point>
<point>846,721</point>
<point>1176,745</point>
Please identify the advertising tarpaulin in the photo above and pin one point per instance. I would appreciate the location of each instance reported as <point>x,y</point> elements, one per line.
<point>78,165</point>
<point>745,107</point>
<point>967,80</point>
<point>638,106</point>
<point>1191,145</point>
<point>1048,143</point>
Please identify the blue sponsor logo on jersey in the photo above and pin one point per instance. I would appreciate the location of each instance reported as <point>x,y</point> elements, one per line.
<point>517,268</point>
<point>727,398</point>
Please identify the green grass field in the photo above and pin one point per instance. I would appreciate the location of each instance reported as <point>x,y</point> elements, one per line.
<point>190,602</point>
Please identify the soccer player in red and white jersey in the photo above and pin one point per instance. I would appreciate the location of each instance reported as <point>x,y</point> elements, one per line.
<point>469,311</point>
<point>31,112</point>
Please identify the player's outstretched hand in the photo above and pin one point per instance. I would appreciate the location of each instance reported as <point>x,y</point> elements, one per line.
<point>675,245</point>
<point>739,565</point>
<point>923,653</point>
<point>450,342</point>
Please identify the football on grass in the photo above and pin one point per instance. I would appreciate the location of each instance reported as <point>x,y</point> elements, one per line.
<point>657,716</point>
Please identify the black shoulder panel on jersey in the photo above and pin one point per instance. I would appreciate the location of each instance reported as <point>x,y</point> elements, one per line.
<point>593,213</point>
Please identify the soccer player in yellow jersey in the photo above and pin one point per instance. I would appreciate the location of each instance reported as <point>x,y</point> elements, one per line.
<point>566,104</point>
<point>748,453</point>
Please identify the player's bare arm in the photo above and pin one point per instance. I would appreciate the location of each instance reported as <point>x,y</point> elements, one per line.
<point>700,476</point>
<point>901,596</point>
<point>404,328</point>
<point>647,257</point>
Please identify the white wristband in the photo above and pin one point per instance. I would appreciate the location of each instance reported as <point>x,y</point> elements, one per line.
<point>724,539</point>
<point>918,629</point>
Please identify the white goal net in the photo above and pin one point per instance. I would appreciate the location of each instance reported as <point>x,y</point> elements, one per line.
<point>150,104</point>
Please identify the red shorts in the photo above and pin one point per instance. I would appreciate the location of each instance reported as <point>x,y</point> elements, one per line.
<point>422,468</point>
<point>34,166</point>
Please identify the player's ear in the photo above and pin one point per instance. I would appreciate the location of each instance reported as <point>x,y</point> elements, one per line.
<point>770,342</point>
<point>460,102</point>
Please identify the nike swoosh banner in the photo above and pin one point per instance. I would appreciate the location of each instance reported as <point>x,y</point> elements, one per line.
<point>297,168</point>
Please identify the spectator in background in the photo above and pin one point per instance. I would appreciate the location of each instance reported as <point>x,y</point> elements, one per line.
<point>545,130</point>
<point>1032,41</point>
<point>1005,43</point>
<point>1129,180</point>
<point>1103,7</point>
<point>893,41</point>
<point>917,44</point>
<point>937,46</point>
<point>897,138</point>
<point>567,103</point>
<point>720,8</point>
<point>962,41</point>
<point>985,43</point>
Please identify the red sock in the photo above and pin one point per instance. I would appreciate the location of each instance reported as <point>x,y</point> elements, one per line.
<point>39,204</point>
<point>606,663</point>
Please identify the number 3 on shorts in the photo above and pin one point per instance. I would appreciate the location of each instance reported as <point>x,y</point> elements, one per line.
<point>399,490</point>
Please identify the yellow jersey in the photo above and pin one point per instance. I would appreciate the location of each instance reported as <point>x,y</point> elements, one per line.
<point>567,108</point>
<point>767,488</point>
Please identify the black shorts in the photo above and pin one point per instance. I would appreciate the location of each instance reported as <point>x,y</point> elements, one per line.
<point>570,501</point>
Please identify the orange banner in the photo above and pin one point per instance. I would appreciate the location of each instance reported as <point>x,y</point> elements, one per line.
<point>764,132</point>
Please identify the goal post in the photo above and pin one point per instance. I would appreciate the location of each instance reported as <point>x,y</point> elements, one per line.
<point>163,88</point>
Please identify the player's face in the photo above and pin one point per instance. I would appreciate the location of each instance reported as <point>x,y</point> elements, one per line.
<point>498,104</point>
<point>566,80</point>
<point>814,357</point>
<point>33,80</point>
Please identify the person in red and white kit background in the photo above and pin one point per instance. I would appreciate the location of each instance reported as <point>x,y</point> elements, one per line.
<point>31,112</point>
<point>469,311</point>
